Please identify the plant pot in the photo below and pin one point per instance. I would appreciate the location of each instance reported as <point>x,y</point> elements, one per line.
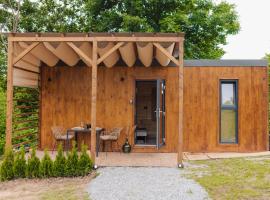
<point>126,147</point>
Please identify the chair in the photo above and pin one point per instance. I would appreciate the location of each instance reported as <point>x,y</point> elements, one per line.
<point>111,136</point>
<point>59,134</point>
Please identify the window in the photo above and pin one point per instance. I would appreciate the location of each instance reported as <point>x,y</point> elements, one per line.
<point>228,111</point>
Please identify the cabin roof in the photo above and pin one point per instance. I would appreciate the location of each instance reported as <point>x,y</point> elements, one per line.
<point>226,63</point>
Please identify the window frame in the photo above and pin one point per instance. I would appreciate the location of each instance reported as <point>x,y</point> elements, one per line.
<point>229,107</point>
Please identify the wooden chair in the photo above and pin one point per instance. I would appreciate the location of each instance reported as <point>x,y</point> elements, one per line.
<point>59,134</point>
<point>111,136</point>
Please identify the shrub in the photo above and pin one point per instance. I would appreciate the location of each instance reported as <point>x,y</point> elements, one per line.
<point>59,163</point>
<point>19,167</point>
<point>46,166</point>
<point>33,165</point>
<point>6,170</point>
<point>85,164</point>
<point>72,162</point>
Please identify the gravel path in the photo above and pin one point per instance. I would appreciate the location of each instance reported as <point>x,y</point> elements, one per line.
<point>127,183</point>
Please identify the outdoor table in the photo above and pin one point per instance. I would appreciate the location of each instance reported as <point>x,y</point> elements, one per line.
<point>77,130</point>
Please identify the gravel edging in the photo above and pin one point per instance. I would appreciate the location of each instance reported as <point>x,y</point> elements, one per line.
<point>139,183</point>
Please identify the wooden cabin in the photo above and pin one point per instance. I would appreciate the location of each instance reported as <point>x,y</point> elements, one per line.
<point>125,79</point>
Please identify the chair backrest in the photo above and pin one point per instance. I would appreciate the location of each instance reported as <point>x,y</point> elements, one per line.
<point>57,131</point>
<point>116,131</point>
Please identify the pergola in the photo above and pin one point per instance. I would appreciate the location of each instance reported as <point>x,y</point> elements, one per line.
<point>28,51</point>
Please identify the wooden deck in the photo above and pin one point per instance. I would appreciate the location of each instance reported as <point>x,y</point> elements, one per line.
<point>116,159</point>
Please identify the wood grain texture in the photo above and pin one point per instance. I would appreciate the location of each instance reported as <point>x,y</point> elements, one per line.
<point>201,108</point>
<point>9,96</point>
<point>67,102</point>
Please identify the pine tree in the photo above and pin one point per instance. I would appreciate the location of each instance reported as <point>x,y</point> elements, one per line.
<point>20,164</point>
<point>6,170</point>
<point>59,163</point>
<point>72,162</point>
<point>33,165</point>
<point>46,166</point>
<point>85,164</point>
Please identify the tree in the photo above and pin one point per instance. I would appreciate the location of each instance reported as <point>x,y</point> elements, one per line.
<point>205,23</point>
<point>267,57</point>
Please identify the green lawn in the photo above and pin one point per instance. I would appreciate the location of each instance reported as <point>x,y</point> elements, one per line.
<point>238,178</point>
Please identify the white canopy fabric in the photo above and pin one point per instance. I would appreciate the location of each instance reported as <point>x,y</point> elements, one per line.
<point>50,48</point>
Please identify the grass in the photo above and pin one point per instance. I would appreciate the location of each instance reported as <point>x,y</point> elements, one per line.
<point>67,193</point>
<point>237,178</point>
<point>46,189</point>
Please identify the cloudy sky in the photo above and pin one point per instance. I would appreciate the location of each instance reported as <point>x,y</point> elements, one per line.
<point>253,41</point>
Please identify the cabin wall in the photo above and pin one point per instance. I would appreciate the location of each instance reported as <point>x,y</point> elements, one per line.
<point>66,101</point>
<point>66,93</point>
<point>201,108</point>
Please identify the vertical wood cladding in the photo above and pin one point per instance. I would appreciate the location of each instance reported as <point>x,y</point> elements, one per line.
<point>66,101</point>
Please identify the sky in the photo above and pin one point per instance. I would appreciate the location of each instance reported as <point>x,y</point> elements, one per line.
<point>253,40</point>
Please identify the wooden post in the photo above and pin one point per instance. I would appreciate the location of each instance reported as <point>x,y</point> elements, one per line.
<point>9,96</point>
<point>181,102</point>
<point>93,102</point>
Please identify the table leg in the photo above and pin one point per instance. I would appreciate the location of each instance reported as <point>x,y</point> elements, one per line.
<point>76,139</point>
<point>97,142</point>
<point>67,143</point>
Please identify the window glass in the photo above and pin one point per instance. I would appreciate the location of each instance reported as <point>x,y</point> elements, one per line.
<point>228,126</point>
<point>227,90</point>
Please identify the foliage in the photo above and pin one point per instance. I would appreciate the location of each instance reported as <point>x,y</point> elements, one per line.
<point>59,163</point>
<point>6,170</point>
<point>237,178</point>
<point>85,164</point>
<point>33,165</point>
<point>205,23</point>
<point>46,166</point>
<point>20,165</point>
<point>194,17</point>
<point>72,162</point>
<point>267,57</point>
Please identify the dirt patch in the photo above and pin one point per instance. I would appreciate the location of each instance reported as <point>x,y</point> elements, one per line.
<point>45,189</point>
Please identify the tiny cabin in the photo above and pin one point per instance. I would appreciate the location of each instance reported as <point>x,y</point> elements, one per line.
<point>140,79</point>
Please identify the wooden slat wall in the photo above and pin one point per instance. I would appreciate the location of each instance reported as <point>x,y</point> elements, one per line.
<point>67,99</point>
<point>66,93</point>
<point>201,108</point>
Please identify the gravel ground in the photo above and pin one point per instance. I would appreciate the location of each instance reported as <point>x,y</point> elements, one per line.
<point>128,183</point>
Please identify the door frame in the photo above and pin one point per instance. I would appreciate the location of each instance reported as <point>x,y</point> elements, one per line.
<point>139,147</point>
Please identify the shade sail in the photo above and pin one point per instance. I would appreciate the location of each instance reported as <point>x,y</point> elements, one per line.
<point>32,50</point>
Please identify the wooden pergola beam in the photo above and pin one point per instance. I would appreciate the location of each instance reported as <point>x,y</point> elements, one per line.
<point>108,53</point>
<point>166,53</point>
<point>98,39</point>
<point>9,96</point>
<point>88,60</point>
<point>181,102</point>
<point>27,50</point>
<point>94,102</point>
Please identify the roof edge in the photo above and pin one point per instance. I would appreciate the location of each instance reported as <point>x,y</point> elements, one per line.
<point>226,63</point>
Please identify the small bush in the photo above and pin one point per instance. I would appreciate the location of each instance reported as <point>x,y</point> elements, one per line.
<point>6,170</point>
<point>85,164</point>
<point>46,166</point>
<point>72,162</point>
<point>33,165</point>
<point>59,163</point>
<point>20,164</point>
